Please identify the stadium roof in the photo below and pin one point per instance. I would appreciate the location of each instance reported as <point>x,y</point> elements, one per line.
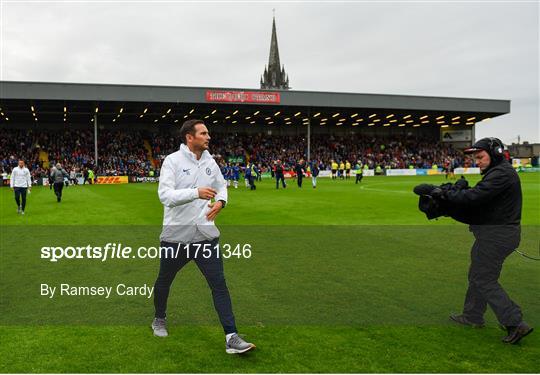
<point>57,103</point>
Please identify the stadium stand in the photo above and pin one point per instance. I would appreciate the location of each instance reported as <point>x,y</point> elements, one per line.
<point>136,153</point>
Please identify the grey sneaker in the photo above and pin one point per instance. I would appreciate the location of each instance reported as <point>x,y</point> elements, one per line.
<point>22,212</point>
<point>237,345</point>
<point>19,210</point>
<point>159,326</point>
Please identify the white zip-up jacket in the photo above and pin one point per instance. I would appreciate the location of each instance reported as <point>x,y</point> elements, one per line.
<point>20,177</point>
<point>184,217</point>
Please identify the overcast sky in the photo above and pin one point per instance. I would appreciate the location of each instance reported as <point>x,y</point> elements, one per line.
<point>462,49</point>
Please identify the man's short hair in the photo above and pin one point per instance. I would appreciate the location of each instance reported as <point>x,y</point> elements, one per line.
<point>189,128</point>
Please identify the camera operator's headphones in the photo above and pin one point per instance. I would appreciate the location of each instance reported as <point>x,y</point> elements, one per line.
<point>493,146</point>
<point>496,147</point>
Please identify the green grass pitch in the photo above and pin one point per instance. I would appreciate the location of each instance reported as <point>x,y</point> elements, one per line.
<point>342,278</point>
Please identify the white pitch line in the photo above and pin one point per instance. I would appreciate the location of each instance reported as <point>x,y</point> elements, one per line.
<point>385,191</point>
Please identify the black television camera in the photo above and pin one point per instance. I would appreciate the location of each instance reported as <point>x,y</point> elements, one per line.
<point>433,203</point>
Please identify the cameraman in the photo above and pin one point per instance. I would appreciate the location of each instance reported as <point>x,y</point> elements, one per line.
<point>493,210</point>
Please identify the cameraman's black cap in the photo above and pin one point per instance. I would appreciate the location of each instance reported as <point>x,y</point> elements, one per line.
<point>482,144</point>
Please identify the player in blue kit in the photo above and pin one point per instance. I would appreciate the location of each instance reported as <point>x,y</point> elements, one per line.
<point>228,174</point>
<point>224,172</point>
<point>236,174</point>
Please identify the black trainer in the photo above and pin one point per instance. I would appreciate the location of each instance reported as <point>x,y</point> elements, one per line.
<point>463,320</point>
<point>515,334</point>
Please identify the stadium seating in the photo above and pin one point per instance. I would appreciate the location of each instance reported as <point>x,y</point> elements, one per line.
<point>135,153</point>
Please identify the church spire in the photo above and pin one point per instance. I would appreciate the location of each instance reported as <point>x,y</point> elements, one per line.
<point>273,60</point>
<point>275,77</point>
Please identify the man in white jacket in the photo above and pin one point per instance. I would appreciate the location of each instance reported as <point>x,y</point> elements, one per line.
<point>189,180</point>
<point>20,182</point>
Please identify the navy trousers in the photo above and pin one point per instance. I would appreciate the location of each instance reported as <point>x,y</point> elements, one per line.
<point>212,269</point>
<point>20,196</point>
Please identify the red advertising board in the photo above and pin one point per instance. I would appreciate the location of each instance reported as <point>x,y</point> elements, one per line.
<point>242,96</point>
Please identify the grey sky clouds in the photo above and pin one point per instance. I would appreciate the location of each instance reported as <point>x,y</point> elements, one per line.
<point>475,49</point>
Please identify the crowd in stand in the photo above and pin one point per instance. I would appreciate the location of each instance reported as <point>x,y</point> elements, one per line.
<point>119,153</point>
<point>390,152</point>
<point>124,153</point>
